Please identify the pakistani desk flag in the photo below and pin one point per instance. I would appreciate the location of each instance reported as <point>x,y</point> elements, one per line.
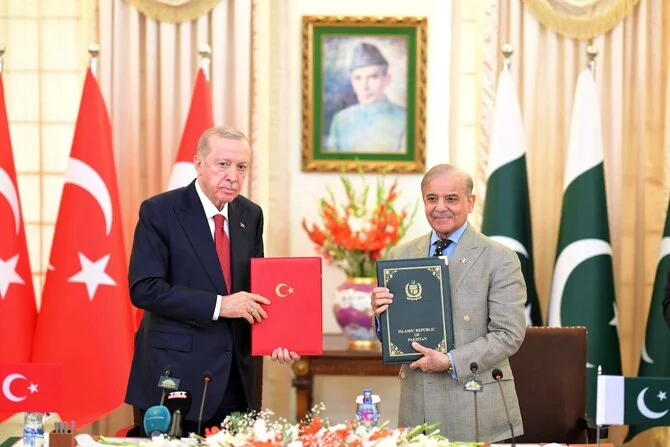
<point>636,401</point>
<point>507,206</point>
<point>582,289</point>
<point>655,361</point>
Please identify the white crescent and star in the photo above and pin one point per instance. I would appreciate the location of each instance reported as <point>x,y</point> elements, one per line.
<point>569,259</point>
<point>8,190</point>
<point>665,251</point>
<point>92,274</point>
<point>8,274</point>
<point>80,174</point>
<point>646,412</point>
<point>6,387</point>
<point>278,290</point>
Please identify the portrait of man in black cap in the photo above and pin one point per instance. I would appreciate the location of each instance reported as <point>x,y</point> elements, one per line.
<point>373,123</point>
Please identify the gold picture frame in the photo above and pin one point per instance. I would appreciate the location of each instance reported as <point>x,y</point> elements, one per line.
<point>364,94</point>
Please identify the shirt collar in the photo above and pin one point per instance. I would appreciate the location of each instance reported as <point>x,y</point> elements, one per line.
<point>208,206</point>
<point>454,238</point>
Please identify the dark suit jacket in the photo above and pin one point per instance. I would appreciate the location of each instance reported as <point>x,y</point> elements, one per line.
<point>174,276</point>
<point>666,301</point>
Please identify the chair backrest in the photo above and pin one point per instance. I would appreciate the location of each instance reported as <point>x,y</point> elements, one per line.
<point>550,377</point>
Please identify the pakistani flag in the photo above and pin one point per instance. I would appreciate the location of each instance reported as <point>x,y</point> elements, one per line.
<point>655,361</point>
<point>582,289</point>
<point>638,401</point>
<point>507,206</point>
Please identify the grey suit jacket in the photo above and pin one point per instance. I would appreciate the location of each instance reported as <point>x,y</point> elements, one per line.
<point>488,293</point>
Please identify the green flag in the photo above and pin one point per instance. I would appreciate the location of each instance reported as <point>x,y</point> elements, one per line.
<point>639,401</point>
<point>655,361</point>
<point>582,289</point>
<point>507,206</point>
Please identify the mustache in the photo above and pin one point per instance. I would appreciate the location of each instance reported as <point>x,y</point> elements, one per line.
<point>439,214</point>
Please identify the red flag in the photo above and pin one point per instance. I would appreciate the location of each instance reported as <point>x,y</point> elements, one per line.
<point>85,321</point>
<point>30,387</point>
<point>17,295</point>
<point>199,119</point>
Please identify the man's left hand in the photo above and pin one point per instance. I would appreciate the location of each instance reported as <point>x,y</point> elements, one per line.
<point>432,360</point>
<point>284,356</point>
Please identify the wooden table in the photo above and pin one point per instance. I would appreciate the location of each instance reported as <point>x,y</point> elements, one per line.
<point>337,360</point>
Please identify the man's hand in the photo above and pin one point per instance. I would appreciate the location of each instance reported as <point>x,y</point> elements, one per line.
<point>432,360</point>
<point>244,305</point>
<point>280,355</point>
<point>380,298</point>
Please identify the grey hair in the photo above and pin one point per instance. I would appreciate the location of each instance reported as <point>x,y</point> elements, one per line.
<point>227,132</point>
<point>448,170</point>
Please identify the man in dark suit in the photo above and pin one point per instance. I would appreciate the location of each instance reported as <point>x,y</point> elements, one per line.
<point>189,272</point>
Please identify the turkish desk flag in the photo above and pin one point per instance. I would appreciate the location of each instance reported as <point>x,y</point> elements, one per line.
<point>293,285</point>
<point>30,387</point>
<point>85,320</point>
<point>17,295</point>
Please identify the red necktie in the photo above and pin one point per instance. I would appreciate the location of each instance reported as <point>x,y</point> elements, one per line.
<point>222,244</point>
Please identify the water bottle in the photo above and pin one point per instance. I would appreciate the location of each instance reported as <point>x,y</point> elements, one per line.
<point>33,430</point>
<point>367,412</point>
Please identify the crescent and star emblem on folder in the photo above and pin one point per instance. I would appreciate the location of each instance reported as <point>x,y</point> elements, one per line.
<point>285,288</point>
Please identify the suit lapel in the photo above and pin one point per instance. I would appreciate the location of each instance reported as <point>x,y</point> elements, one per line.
<point>238,241</point>
<point>195,225</point>
<point>466,253</point>
<point>421,248</point>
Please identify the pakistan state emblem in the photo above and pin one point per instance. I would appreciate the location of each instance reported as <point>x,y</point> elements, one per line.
<point>413,290</point>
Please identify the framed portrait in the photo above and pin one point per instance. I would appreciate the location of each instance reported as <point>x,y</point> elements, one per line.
<point>364,94</point>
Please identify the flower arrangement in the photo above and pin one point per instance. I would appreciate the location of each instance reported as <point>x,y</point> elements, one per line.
<point>261,430</point>
<point>352,235</point>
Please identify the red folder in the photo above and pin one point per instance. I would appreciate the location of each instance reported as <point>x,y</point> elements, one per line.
<point>293,285</point>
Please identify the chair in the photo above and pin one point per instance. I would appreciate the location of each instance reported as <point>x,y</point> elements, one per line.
<point>550,377</point>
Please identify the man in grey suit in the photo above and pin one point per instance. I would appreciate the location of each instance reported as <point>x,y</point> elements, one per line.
<point>488,295</point>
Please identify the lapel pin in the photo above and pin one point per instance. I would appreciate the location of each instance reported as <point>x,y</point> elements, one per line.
<point>463,261</point>
<point>242,225</point>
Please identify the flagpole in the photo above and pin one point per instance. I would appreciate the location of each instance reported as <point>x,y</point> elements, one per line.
<point>507,51</point>
<point>205,59</point>
<point>94,51</point>
<point>2,56</point>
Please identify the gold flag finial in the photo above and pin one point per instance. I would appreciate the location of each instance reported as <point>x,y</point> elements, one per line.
<point>205,53</point>
<point>507,51</point>
<point>94,52</point>
<point>591,54</point>
<point>2,55</point>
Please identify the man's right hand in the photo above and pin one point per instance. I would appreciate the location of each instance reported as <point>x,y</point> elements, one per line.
<point>380,298</point>
<point>244,305</point>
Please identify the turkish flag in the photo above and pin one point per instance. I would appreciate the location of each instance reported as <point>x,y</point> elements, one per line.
<point>85,321</point>
<point>17,295</point>
<point>30,387</point>
<point>199,120</point>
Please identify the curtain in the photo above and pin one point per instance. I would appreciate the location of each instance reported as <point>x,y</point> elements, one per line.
<point>147,74</point>
<point>632,78</point>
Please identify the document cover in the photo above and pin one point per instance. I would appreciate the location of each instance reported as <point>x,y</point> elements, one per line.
<point>421,308</point>
<point>293,285</point>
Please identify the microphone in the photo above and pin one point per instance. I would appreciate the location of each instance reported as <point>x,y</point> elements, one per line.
<point>156,421</point>
<point>206,377</point>
<point>497,376</point>
<point>474,367</point>
<point>179,404</point>
<point>167,382</point>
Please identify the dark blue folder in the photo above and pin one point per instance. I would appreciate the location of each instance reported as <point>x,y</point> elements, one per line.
<point>421,308</point>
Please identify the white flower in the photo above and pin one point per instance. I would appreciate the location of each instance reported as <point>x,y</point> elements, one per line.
<point>295,444</point>
<point>260,431</point>
<point>356,224</point>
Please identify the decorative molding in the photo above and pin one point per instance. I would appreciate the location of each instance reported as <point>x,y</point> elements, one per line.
<point>580,19</point>
<point>174,11</point>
